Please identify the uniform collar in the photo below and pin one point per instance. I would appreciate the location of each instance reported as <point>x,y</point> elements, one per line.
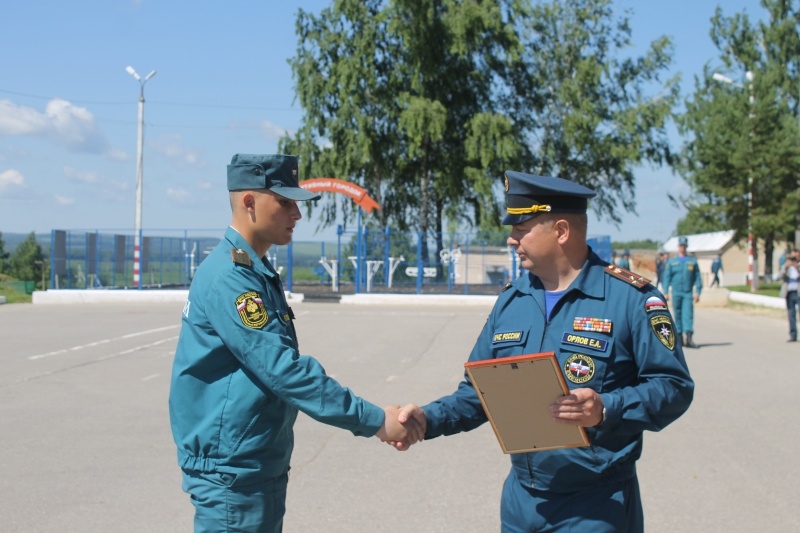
<point>239,243</point>
<point>590,281</point>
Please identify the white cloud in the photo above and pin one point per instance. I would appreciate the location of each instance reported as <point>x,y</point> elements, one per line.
<point>61,122</point>
<point>272,132</point>
<point>63,200</point>
<point>117,154</point>
<point>11,178</point>
<point>178,194</point>
<point>172,148</point>
<point>82,177</point>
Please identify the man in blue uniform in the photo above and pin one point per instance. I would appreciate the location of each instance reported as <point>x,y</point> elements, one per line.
<point>238,379</point>
<point>625,262</point>
<point>716,268</point>
<point>609,323</point>
<point>682,275</point>
<point>661,264</point>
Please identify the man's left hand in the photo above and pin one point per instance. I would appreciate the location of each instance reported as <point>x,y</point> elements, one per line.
<point>581,407</point>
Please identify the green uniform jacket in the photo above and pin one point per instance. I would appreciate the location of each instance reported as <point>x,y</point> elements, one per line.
<point>238,380</point>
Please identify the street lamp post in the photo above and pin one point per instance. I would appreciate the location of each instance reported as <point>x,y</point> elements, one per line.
<point>752,264</point>
<point>137,229</point>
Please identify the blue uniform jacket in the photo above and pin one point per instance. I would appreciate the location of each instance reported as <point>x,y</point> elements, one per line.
<point>608,335</point>
<point>238,380</point>
<point>682,274</point>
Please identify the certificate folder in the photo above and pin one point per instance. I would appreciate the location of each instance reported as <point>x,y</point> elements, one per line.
<point>515,393</point>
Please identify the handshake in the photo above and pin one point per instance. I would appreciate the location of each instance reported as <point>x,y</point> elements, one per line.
<point>403,427</point>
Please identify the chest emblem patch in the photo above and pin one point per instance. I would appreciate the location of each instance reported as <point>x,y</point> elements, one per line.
<point>251,310</point>
<point>664,330</point>
<point>579,368</point>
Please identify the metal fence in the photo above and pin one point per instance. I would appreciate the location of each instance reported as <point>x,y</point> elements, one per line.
<point>356,262</point>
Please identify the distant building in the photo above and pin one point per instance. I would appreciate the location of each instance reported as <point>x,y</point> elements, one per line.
<point>705,246</point>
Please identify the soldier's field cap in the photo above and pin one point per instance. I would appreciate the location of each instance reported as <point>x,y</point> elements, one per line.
<point>528,196</point>
<point>683,241</point>
<point>277,173</point>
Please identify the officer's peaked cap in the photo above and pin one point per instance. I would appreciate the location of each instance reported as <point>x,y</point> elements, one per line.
<point>277,173</point>
<point>683,241</point>
<point>528,196</point>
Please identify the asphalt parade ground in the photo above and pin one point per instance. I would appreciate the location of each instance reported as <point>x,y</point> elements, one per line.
<point>86,445</point>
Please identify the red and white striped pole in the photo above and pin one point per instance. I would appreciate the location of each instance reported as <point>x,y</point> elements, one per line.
<point>136,263</point>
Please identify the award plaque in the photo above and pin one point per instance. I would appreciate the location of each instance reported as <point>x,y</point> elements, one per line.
<point>516,393</point>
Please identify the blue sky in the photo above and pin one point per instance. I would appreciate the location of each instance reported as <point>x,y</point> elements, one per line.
<point>68,109</point>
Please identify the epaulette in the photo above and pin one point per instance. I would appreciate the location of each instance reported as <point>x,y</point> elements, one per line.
<point>508,286</point>
<point>240,257</point>
<point>626,275</point>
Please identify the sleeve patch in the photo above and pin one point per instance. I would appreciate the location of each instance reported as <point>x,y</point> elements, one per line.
<point>251,310</point>
<point>664,330</point>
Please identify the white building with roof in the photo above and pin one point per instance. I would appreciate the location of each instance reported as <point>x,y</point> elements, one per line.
<point>706,246</point>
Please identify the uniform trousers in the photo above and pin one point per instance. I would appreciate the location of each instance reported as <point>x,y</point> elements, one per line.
<point>683,304</point>
<point>225,504</point>
<point>609,508</point>
<point>791,307</point>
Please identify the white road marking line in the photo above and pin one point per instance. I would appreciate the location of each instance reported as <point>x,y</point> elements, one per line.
<point>136,348</point>
<point>104,341</point>
<point>151,376</point>
<point>92,361</point>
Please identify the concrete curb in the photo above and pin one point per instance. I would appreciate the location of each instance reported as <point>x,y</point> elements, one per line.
<point>417,299</point>
<point>64,296</point>
<point>2,299</point>
<point>757,299</point>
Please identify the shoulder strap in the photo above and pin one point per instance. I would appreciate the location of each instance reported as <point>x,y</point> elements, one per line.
<point>626,275</point>
<point>240,257</point>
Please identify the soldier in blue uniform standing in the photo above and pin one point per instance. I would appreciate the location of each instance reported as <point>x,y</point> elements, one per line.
<point>238,379</point>
<point>682,275</point>
<point>610,323</point>
<point>625,262</point>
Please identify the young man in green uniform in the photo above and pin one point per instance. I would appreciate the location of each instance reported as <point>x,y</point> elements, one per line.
<point>614,339</point>
<point>238,378</point>
<point>682,275</point>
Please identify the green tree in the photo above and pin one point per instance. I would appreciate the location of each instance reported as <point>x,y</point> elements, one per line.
<point>701,218</point>
<point>397,97</point>
<point>426,102</point>
<point>584,104</point>
<point>742,159</point>
<point>4,255</point>
<point>28,262</point>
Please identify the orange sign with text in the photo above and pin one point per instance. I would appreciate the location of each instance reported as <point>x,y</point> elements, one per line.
<point>358,194</point>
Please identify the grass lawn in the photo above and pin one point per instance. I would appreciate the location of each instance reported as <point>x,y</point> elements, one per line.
<point>14,297</point>
<point>765,289</point>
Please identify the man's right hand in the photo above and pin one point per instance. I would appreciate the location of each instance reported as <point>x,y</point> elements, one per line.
<point>412,415</point>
